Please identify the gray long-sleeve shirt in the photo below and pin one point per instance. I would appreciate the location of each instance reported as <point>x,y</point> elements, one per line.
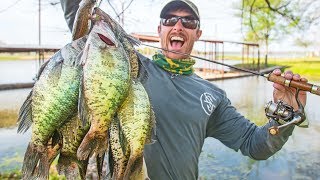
<point>70,8</point>
<point>189,109</point>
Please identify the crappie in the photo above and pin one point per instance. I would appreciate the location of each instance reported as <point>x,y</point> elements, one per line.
<point>52,101</point>
<point>119,150</point>
<point>104,85</point>
<point>82,19</point>
<point>127,40</point>
<point>72,134</point>
<point>136,121</point>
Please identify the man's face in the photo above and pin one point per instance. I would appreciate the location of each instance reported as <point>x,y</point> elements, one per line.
<point>177,37</point>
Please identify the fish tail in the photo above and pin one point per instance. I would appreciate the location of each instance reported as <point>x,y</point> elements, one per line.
<point>83,164</point>
<point>92,143</point>
<point>100,161</point>
<point>143,174</point>
<point>140,173</point>
<point>71,168</point>
<point>30,162</point>
<point>134,166</point>
<point>46,159</point>
<point>66,166</point>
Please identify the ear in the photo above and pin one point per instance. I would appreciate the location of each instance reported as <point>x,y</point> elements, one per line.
<point>159,29</point>
<point>199,33</point>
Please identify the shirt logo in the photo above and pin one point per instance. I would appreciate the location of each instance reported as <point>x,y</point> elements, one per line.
<point>207,103</point>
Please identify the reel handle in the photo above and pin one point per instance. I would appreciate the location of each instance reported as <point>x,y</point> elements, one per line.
<point>274,130</point>
<point>304,86</point>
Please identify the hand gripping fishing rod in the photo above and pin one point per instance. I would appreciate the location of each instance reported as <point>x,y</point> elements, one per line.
<point>279,111</point>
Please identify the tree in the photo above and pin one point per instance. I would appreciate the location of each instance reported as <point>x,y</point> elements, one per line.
<point>303,42</point>
<point>265,20</point>
<point>119,7</point>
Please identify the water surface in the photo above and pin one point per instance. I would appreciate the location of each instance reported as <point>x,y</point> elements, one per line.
<point>299,158</point>
<point>18,71</point>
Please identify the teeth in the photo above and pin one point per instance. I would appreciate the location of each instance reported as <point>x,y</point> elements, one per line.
<point>176,38</point>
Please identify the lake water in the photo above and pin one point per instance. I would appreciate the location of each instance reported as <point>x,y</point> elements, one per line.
<point>18,71</point>
<point>298,159</point>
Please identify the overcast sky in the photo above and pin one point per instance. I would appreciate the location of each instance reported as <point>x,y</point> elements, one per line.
<point>19,20</point>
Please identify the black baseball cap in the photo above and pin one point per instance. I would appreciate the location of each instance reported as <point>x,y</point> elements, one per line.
<point>176,4</point>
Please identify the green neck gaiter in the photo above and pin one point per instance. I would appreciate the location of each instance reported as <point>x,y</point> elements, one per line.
<point>176,66</point>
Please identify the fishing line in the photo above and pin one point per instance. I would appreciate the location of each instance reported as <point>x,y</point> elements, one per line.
<point>315,89</point>
<point>208,60</point>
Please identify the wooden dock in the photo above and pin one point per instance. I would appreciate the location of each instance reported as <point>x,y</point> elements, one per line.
<point>27,48</point>
<point>231,75</point>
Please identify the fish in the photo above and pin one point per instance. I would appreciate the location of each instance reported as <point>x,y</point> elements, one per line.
<point>127,40</point>
<point>52,101</point>
<point>104,86</point>
<point>119,150</point>
<point>128,161</point>
<point>72,133</point>
<point>82,22</point>
<point>137,121</point>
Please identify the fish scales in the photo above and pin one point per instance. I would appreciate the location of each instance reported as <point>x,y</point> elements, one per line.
<point>119,149</point>
<point>53,100</point>
<point>50,111</point>
<point>105,83</point>
<point>136,121</point>
<point>127,40</point>
<point>68,164</point>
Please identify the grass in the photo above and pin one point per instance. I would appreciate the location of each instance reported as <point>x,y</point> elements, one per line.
<point>306,67</point>
<point>309,68</point>
<point>21,56</point>
<point>8,118</point>
<point>16,173</point>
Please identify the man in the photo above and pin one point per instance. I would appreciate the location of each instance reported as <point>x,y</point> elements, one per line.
<point>70,8</point>
<point>188,109</point>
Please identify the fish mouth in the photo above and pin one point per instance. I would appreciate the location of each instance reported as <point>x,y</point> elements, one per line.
<point>106,40</point>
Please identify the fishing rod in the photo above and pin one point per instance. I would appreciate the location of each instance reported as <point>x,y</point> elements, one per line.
<point>304,86</point>
<point>279,111</point>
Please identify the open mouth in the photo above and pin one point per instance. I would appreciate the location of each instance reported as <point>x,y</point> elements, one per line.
<point>176,42</point>
<point>106,40</point>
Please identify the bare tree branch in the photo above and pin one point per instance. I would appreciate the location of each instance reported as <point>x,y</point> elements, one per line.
<point>277,10</point>
<point>114,10</point>
<point>125,9</point>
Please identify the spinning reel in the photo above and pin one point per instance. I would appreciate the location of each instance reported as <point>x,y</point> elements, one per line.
<point>285,115</point>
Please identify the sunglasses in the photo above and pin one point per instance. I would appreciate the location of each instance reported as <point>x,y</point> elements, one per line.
<point>186,22</point>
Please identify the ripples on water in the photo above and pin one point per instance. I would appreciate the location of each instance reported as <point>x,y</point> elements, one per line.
<point>299,158</point>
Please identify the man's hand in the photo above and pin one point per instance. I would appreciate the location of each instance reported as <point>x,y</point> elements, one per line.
<point>287,94</point>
